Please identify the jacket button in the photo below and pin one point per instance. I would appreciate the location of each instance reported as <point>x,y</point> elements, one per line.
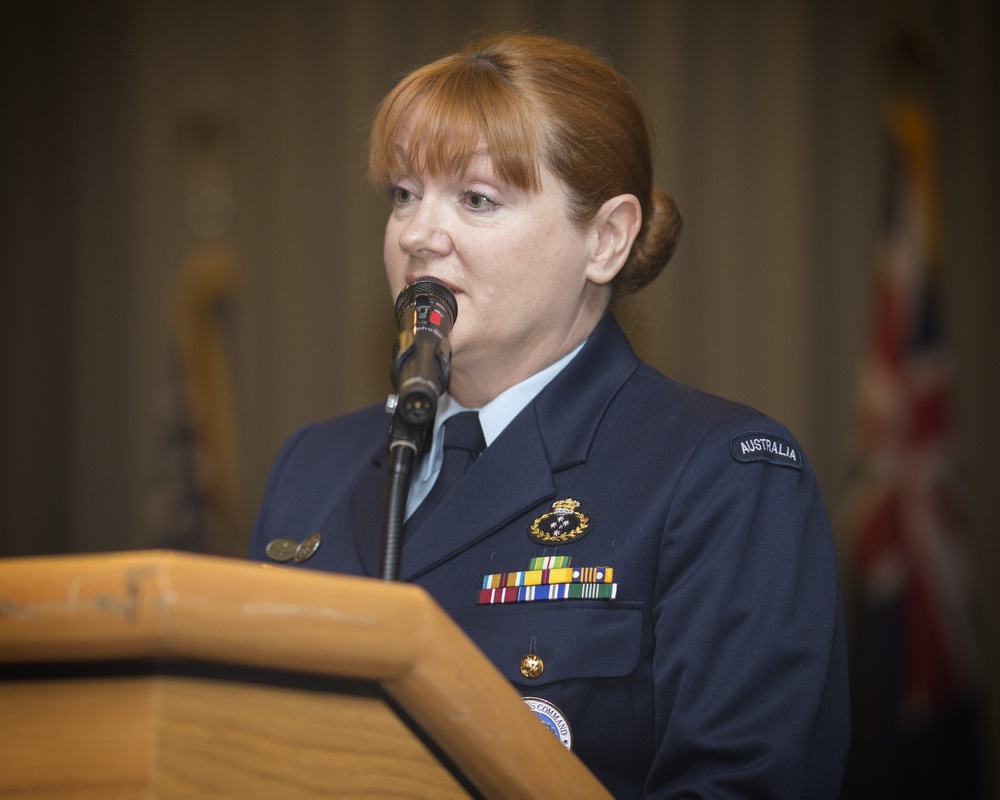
<point>281,550</point>
<point>309,546</point>
<point>532,666</point>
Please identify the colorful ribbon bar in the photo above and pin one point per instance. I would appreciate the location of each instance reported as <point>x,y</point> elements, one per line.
<point>549,562</point>
<point>544,577</point>
<point>556,591</point>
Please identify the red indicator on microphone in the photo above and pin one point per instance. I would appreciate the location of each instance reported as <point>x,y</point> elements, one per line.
<point>435,317</point>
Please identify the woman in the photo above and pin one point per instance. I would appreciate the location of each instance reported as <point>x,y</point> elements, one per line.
<point>696,647</point>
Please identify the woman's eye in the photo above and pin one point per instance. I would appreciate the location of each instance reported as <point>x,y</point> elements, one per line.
<point>399,195</point>
<point>478,202</point>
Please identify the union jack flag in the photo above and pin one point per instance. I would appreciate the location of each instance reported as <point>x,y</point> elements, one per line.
<point>909,543</point>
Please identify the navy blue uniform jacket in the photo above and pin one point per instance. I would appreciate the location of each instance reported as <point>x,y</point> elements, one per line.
<point>719,669</point>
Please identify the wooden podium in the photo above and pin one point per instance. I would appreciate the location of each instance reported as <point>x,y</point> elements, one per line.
<point>165,675</point>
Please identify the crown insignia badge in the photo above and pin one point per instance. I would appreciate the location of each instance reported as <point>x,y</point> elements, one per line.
<point>563,507</point>
<point>563,524</point>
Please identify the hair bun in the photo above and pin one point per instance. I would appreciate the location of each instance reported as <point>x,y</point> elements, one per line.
<point>654,247</point>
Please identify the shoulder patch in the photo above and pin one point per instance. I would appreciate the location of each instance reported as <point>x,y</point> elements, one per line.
<point>755,446</point>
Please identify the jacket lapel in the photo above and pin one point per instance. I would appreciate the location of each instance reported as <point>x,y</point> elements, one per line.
<point>367,507</point>
<point>514,474</point>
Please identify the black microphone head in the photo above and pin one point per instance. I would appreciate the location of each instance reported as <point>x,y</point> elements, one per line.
<point>431,287</point>
<point>425,312</point>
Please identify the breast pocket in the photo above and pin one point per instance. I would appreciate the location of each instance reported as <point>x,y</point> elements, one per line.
<point>574,640</point>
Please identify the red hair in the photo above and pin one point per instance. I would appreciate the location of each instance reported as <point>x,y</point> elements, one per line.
<point>534,100</point>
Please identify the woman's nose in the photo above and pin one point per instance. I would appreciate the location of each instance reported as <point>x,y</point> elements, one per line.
<point>425,232</point>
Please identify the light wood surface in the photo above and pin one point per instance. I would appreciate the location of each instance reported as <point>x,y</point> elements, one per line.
<point>220,735</point>
<point>76,740</point>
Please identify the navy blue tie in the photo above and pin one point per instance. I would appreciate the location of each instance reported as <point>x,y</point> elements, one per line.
<point>463,442</point>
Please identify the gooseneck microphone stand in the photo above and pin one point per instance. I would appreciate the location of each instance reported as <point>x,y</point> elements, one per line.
<point>405,443</point>
<point>425,312</point>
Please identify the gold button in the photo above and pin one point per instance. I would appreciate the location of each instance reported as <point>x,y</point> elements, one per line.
<point>532,666</point>
<point>309,546</point>
<point>281,550</point>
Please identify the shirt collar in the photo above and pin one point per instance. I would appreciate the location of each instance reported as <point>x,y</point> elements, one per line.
<point>496,414</point>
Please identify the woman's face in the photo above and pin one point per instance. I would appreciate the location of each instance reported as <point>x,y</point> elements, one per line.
<point>514,260</point>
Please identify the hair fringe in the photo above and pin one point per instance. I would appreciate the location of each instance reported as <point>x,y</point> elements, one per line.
<point>536,102</point>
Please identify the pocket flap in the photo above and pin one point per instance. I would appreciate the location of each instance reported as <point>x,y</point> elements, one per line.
<point>574,639</point>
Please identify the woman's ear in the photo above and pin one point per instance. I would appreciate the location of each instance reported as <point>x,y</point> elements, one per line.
<point>615,227</point>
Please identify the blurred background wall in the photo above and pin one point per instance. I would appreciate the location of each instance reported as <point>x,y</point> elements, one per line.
<point>183,204</point>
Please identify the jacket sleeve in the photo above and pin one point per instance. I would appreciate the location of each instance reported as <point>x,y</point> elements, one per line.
<point>750,659</point>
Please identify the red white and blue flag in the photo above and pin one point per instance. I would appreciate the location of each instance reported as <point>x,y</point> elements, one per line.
<point>914,662</point>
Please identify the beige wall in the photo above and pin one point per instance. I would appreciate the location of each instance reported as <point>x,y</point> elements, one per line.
<point>767,122</point>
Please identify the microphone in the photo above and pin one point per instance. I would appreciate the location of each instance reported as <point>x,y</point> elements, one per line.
<point>425,312</point>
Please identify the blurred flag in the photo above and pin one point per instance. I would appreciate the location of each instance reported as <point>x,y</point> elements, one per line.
<point>196,504</point>
<point>915,733</point>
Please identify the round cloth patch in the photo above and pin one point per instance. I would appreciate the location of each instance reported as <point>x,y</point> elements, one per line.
<point>553,719</point>
<point>563,524</point>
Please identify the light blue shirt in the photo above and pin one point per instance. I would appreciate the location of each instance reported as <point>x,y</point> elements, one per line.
<point>493,418</point>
